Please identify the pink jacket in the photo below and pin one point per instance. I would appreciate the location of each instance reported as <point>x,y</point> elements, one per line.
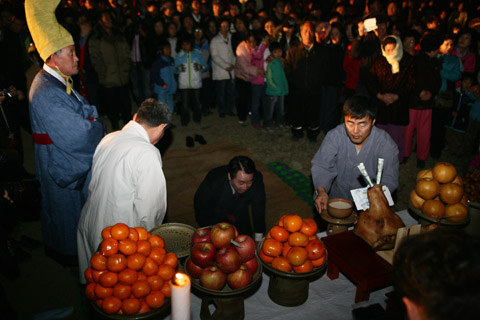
<point>243,67</point>
<point>468,63</point>
<point>258,61</point>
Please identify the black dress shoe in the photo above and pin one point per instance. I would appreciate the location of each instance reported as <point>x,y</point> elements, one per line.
<point>190,142</point>
<point>200,139</point>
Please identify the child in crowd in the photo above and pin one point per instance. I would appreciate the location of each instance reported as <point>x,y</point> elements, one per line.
<point>457,121</point>
<point>258,81</point>
<point>277,89</point>
<point>189,64</point>
<point>163,76</point>
<point>207,93</point>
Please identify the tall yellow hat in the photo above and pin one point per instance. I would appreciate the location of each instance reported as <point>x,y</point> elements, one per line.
<point>49,36</point>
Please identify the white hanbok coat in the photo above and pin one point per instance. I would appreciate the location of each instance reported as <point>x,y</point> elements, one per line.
<point>127,186</point>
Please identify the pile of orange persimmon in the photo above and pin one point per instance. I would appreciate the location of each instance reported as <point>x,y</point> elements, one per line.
<point>292,245</point>
<point>130,272</point>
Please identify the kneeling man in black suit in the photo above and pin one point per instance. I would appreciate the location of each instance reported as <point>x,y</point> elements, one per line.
<point>226,195</point>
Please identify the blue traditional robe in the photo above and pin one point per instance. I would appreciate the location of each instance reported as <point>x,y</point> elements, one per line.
<point>66,134</point>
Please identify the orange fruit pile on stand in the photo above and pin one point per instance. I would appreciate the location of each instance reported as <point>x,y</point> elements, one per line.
<point>130,272</point>
<point>292,245</point>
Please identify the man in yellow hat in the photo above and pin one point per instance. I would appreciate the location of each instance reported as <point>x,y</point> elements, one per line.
<point>65,131</point>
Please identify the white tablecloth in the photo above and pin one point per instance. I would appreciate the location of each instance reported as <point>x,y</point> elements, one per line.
<point>327,299</point>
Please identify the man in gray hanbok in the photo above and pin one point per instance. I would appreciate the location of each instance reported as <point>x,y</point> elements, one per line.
<point>334,166</point>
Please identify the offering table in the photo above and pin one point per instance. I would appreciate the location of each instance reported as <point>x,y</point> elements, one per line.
<point>356,259</point>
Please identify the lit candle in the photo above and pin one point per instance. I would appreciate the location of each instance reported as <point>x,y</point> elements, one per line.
<point>180,287</point>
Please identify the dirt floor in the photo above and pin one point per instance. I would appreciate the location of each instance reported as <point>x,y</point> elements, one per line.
<point>43,285</point>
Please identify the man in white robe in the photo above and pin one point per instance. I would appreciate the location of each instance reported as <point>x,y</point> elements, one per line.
<point>127,183</point>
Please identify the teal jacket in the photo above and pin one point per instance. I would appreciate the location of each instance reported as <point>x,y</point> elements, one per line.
<point>277,84</point>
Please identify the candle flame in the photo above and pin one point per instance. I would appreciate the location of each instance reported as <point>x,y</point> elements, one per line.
<point>181,279</point>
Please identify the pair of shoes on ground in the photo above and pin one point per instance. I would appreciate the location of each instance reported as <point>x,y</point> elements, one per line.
<point>191,141</point>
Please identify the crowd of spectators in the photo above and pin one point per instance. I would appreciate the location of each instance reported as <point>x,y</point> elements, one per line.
<point>416,59</point>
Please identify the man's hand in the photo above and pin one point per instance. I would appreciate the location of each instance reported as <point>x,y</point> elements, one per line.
<point>321,200</point>
<point>230,68</point>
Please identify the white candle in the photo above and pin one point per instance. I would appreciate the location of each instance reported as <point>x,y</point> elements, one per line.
<point>180,287</point>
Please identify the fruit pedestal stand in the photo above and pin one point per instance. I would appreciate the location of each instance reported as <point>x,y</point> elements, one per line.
<point>444,223</point>
<point>336,225</point>
<point>290,289</point>
<point>229,303</point>
<point>158,313</point>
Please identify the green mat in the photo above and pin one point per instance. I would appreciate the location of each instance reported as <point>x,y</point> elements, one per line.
<point>300,184</point>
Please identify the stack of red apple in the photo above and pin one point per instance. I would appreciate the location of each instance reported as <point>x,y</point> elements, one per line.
<point>219,256</point>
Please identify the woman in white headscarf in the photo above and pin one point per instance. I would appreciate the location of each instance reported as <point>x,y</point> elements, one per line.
<point>391,80</point>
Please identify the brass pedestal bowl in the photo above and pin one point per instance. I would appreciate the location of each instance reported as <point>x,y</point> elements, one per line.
<point>424,220</point>
<point>290,289</point>
<point>229,302</point>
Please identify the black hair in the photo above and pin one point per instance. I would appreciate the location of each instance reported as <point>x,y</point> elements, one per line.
<point>430,42</point>
<point>359,106</point>
<point>153,113</point>
<point>450,36</point>
<point>388,40</point>
<point>469,75</point>
<point>412,33</point>
<point>241,163</point>
<point>275,46</point>
<point>187,38</point>
<point>163,44</point>
<point>431,18</point>
<point>439,271</point>
<point>259,35</point>
<point>222,20</point>
<point>243,19</point>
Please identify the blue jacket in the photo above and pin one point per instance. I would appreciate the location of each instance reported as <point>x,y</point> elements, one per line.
<point>451,70</point>
<point>190,78</point>
<point>163,72</point>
